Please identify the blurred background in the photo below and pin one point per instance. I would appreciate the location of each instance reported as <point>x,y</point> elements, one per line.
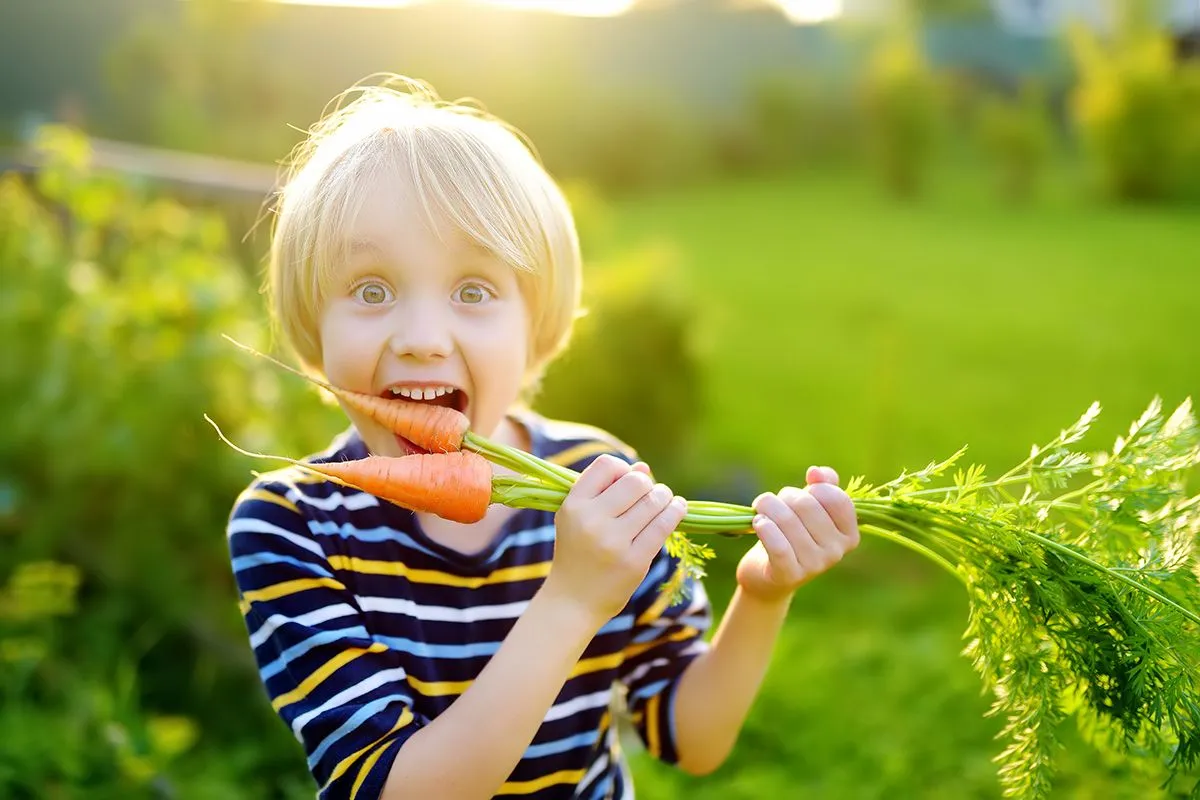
<point>860,233</point>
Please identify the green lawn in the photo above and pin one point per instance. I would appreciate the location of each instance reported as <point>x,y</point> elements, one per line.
<point>845,329</point>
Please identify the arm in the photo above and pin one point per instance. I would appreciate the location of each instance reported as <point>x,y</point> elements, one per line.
<point>732,669</point>
<point>801,534</point>
<point>490,725</point>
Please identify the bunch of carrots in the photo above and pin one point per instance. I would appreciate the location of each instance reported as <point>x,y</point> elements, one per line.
<point>453,478</point>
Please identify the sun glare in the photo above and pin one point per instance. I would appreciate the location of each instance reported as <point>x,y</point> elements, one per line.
<point>810,12</point>
<point>579,8</point>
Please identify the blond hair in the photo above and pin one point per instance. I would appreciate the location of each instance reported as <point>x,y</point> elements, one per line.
<point>467,166</point>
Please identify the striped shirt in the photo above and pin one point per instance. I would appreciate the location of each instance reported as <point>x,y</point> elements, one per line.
<point>364,629</point>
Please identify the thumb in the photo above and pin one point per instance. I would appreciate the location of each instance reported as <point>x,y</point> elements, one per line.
<point>821,475</point>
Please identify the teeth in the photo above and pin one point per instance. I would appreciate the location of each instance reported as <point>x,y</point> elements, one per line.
<point>422,394</point>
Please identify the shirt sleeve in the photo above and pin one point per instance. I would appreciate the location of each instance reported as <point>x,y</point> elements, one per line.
<point>345,697</point>
<point>665,638</point>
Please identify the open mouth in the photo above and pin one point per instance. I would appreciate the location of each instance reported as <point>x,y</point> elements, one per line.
<point>446,397</point>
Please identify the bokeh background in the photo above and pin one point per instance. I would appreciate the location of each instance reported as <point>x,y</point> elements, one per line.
<point>848,232</point>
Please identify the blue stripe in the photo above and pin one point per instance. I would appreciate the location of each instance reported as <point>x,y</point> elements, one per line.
<point>562,745</point>
<point>384,534</point>
<point>362,715</point>
<point>524,539</point>
<point>427,650</point>
<point>649,690</point>
<point>617,624</point>
<point>316,640</point>
<point>242,563</point>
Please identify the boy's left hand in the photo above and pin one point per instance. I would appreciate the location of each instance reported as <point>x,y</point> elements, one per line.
<point>801,533</point>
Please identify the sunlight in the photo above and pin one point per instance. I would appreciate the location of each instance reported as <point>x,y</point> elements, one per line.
<point>579,8</point>
<point>809,12</point>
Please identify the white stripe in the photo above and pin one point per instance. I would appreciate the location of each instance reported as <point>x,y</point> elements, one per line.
<point>355,691</point>
<point>442,613</point>
<point>249,525</point>
<point>581,703</point>
<point>323,614</point>
<point>351,502</point>
<point>637,674</point>
<point>598,766</point>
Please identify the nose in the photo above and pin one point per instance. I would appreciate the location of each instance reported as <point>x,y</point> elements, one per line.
<point>421,332</point>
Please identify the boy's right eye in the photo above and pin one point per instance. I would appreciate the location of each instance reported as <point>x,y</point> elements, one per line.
<point>372,293</point>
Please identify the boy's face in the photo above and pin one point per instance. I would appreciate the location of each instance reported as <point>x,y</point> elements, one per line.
<point>411,311</point>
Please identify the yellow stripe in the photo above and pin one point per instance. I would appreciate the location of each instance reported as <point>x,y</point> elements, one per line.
<point>635,650</point>
<point>442,688</point>
<point>268,497</point>
<point>328,668</point>
<point>397,569</point>
<point>345,764</point>
<point>598,663</point>
<point>553,779</point>
<point>291,587</point>
<point>579,452</point>
<point>438,688</point>
<point>652,742</point>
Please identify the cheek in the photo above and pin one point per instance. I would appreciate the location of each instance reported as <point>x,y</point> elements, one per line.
<point>347,355</point>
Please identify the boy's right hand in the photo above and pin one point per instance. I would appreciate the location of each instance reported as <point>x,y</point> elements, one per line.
<point>610,527</point>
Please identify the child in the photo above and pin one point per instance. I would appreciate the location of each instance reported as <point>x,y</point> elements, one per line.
<point>421,250</point>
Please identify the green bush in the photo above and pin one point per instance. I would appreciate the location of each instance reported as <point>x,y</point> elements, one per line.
<point>900,103</point>
<point>1016,134</point>
<point>1138,112</point>
<point>113,305</point>
<point>633,366</point>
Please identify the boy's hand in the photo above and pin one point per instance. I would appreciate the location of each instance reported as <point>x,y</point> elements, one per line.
<point>610,527</point>
<point>801,533</point>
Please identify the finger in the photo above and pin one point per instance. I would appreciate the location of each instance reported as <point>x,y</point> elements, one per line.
<point>814,517</point>
<point>654,535</point>
<point>598,476</point>
<point>641,513</point>
<point>784,564</point>
<point>772,506</point>
<point>625,493</point>
<point>642,466</point>
<point>821,475</point>
<point>841,510</point>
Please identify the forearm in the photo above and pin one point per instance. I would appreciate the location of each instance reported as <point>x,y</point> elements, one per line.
<point>470,749</point>
<point>717,689</point>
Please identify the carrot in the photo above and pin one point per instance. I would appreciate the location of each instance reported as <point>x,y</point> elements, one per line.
<point>435,429</point>
<point>455,486</point>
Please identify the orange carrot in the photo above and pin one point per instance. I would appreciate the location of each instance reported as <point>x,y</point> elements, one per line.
<point>435,429</point>
<point>455,486</point>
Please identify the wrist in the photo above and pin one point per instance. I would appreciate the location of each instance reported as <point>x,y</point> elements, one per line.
<point>767,598</point>
<point>564,615</point>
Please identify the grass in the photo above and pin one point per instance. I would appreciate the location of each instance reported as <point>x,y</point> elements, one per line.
<point>842,328</point>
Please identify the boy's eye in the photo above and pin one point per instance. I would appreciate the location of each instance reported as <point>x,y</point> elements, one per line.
<point>473,294</point>
<point>373,293</point>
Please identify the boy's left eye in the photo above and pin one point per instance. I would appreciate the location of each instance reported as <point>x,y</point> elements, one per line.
<point>473,294</point>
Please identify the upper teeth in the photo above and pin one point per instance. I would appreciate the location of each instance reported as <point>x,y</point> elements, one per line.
<point>422,394</point>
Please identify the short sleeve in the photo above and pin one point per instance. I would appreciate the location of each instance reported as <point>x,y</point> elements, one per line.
<point>344,696</point>
<point>666,637</point>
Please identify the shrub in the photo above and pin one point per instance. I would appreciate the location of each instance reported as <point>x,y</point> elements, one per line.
<point>1016,133</point>
<point>111,312</point>
<point>900,103</point>
<point>1137,111</point>
<point>633,367</point>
